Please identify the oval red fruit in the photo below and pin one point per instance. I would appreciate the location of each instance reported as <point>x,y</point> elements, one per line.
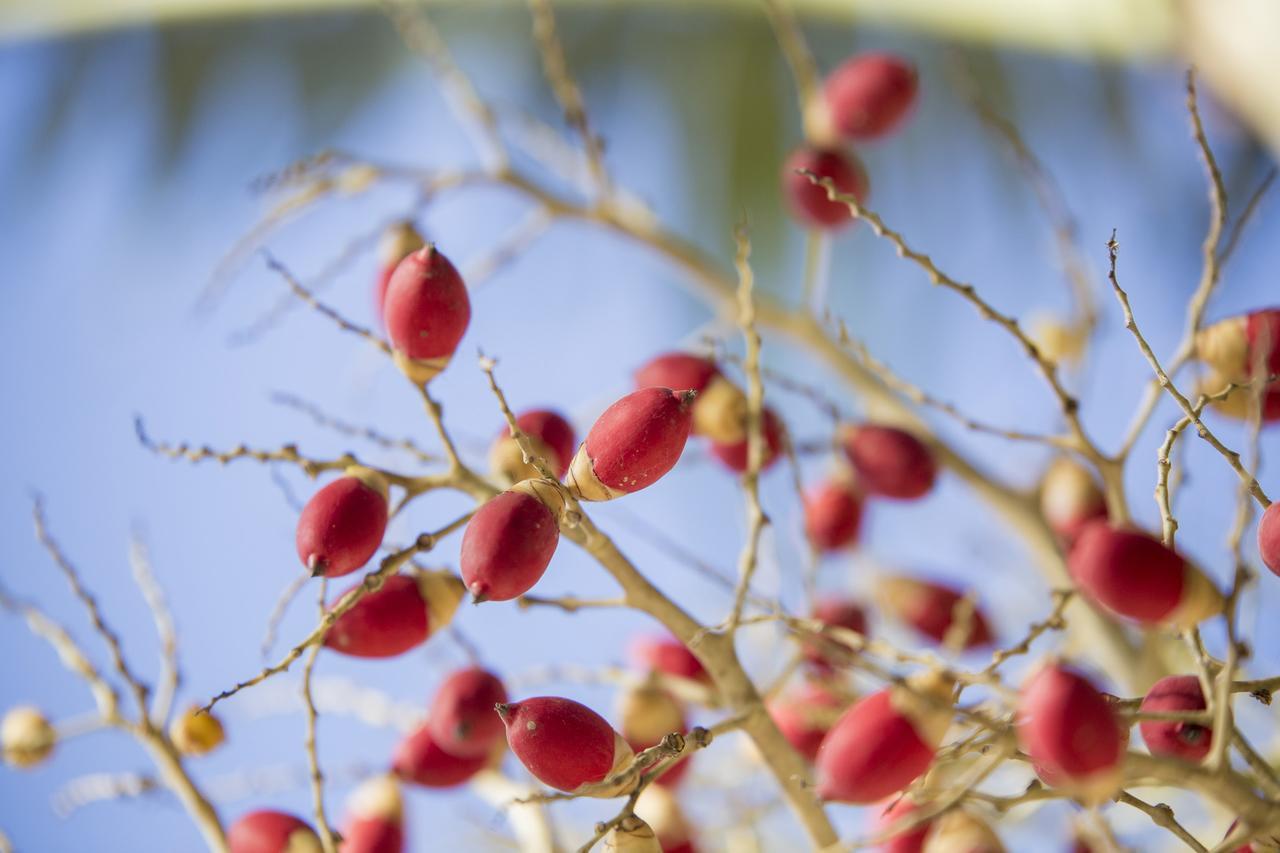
<point>342,525</point>
<point>890,462</point>
<point>1067,727</point>
<point>931,608</point>
<point>836,612</point>
<point>420,760</point>
<point>774,433</point>
<point>884,742</point>
<point>399,241</point>
<point>1186,740</point>
<point>268,831</point>
<point>427,312</point>
<point>869,95</point>
<point>1269,538</point>
<point>805,715</point>
<point>632,444</point>
<point>668,656</point>
<point>462,720</point>
<point>551,436</point>
<point>808,201</point>
<point>375,818</point>
<point>832,515</point>
<point>563,743</point>
<point>1134,574</point>
<point>719,410</point>
<point>509,542</point>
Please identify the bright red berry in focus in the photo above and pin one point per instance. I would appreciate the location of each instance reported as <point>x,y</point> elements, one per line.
<point>510,540</point>
<point>632,444</point>
<point>564,743</point>
<point>890,462</point>
<point>427,311</point>
<point>401,614</point>
<point>342,525</point>
<point>869,95</point>
<point>808,201</point>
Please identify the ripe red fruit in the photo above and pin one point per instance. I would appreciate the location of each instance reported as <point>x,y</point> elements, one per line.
<point>398,241</point>
<point>805,715</point>
<point>342,525</point>
<point>774,433</point>
<point>1070,498</point>
<point>375,818</point>
<point>909,841</point>
<point>637,440</point>
<point>403,613</point>
<point>1235,348</point>
<point>271,832</point>
<point>564,743</point>
<point>832,515</point>
<point>646,714</point>
<point>868,95</point>
<point>1067,727</point>
<point>667,655</point>
<point>420,760</point>
<point>510,540</point>
<point>1269,538</point>
<point>808,201</point>
<point>719,410</point>
<point>885,741</point>
<point>890,462</point>
<point>931,608</point>
<point>427,312</point>
<point>552,438</point>
<point>461,719</point>
<point>837,612</point>
<point>1185,740</point>
<point>1134,574</point>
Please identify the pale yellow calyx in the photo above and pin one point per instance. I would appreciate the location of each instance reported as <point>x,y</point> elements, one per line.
<point>659,808</point>
<point>357,178</point>
<point>1224,346</point>
<point>895,593</point>
<point>506,459</point>
<point>819,128</point>
<point>420,370</point>
<point>647,712</point>
<point>926,700</point>
<point>1097,788</point>
<point>1200,600</point>
<point>1058,340</point>
<point>1067,490</point>
<point>398,242</point>
<point>547,492</point>
<point>196,732</point>
<point>959,831</point>
<point>632,835</point>
<point>720,412</point>
<point>303,840</point>
<point>371,478</point>
<point>26,736</point>
<point>442,591</point>
<point>377,798</point>
<point>583,482</point>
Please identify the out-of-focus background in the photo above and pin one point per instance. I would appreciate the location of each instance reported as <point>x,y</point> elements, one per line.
<point>127,155</point>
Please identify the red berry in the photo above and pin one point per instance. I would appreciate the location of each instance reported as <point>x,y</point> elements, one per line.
<point>461,719</point>
<point>808,201</point>
<point>1067,727</point>
<point>734,455</point>
<point>909,841</point>
<point>552,438</point>
<point>564,743</point>
<point>398,241</point>
<point>836,612</point>
<point>832,515</point>
<point>870,94</point>
<point>667,655</point>
<point>805,715</point>
<point>271,832</point>
<point>1235,348</point>
<point>1136,575</point>
<point>510,540</point>
<point>1185,740</point>
<point>342,525</point>
<point>375,818</point>
<point>930,608</point>
<point>1070,498</point>
<point>420,760</point>
<point>427,313</point>
<point>1269,538</point>
<point>403,613</point>
<point>884,742</point>
<point>890,462</point>
<point>719,410</point>
<point>637,440</point>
